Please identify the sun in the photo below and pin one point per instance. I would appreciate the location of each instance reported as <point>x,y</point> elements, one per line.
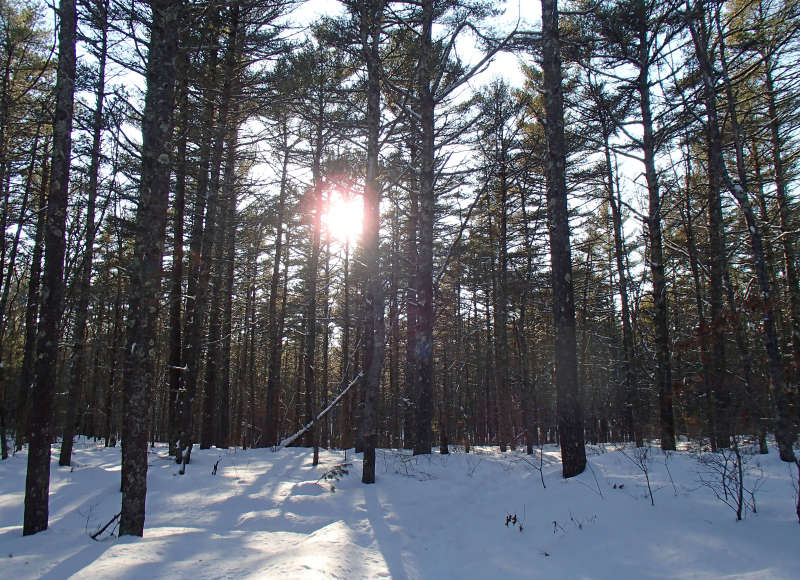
<point>343,216</point>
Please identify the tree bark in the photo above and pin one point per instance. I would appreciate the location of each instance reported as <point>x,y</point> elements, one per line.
<point>84,283</point>
<point>663,369</point>
<point>423,344</point>
<point>371,16</point>
<point>145,290</point>
<point>570,414</point>
<point>37,482</point>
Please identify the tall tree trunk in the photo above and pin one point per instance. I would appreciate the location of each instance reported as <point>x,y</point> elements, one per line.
<point>175,346</point>
<point>412,309</point>
<point>371,18</point>
<point>215,230</point>
<point>718,257</point>
<point>629,378</point>
<point>226,275</point>
<point>784,433</point>
<point>200,239</point>
<point>427,202</point>
<point>570,414</point>
<point>501,306</point>
<point>346,371</point>
<point>37,482</point>
<point>273,324</point>
<point>312,278</point>
<point>663,370</point>
<point>145,274</point>
<point>84,283</point>
<point>394,338</point>
<point>788,235</point>
<point>26,376</point>
<point>4,388</point>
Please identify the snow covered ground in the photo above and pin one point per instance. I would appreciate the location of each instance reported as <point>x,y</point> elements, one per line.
<point>272,515</point>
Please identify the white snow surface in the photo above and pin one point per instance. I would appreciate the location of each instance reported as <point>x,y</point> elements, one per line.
<point>269,514</point>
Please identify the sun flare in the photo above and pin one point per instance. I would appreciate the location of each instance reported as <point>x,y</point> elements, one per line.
<point>343,217</point>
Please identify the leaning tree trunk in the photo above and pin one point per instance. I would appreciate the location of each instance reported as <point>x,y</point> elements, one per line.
<point>145,271</point>
<point>37,482</point>
<point>784,432</point>
<point>569,411</point>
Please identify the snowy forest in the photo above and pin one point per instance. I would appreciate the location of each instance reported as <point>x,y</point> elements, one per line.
<point>422,225</point>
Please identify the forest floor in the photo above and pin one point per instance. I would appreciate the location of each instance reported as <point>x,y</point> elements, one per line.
<point>272,514</point>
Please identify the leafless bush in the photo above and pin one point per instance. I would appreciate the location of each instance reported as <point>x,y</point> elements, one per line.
<point>732,477</point>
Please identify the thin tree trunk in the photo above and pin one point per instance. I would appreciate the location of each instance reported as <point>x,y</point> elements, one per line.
<point>663,369</point>
<point>427,201</point>
<point>199,246</point>
<point>214,233</point>
<point>175,347</point>
<point>784,210</point>
<point>84,282</point>
<point>275,327</point>
<point>32,307</point>
<point>784,433</point>
<point>37,482</point>
<point>4,388</point>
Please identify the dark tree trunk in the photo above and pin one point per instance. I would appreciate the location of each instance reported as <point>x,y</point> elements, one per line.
<point>784,432</point>
<point>371,16</point>
<point>412,312</point>
<point>200,239</point>
<point>175,347</point>
<point>275,326</point>
<point>570,415</point>
<point>721,431</point>
<point>32,308</point>
<point>346,371</point>
<point>788,236</point>
<point>145,273</point>
<point>226,275</point>
<point>214,234</point>
<point>5,406</point>
<point>84,283</point>
<point>423,344</point>
<point>630,399</point>
<point>37,483</point>
<point>663,368</point>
